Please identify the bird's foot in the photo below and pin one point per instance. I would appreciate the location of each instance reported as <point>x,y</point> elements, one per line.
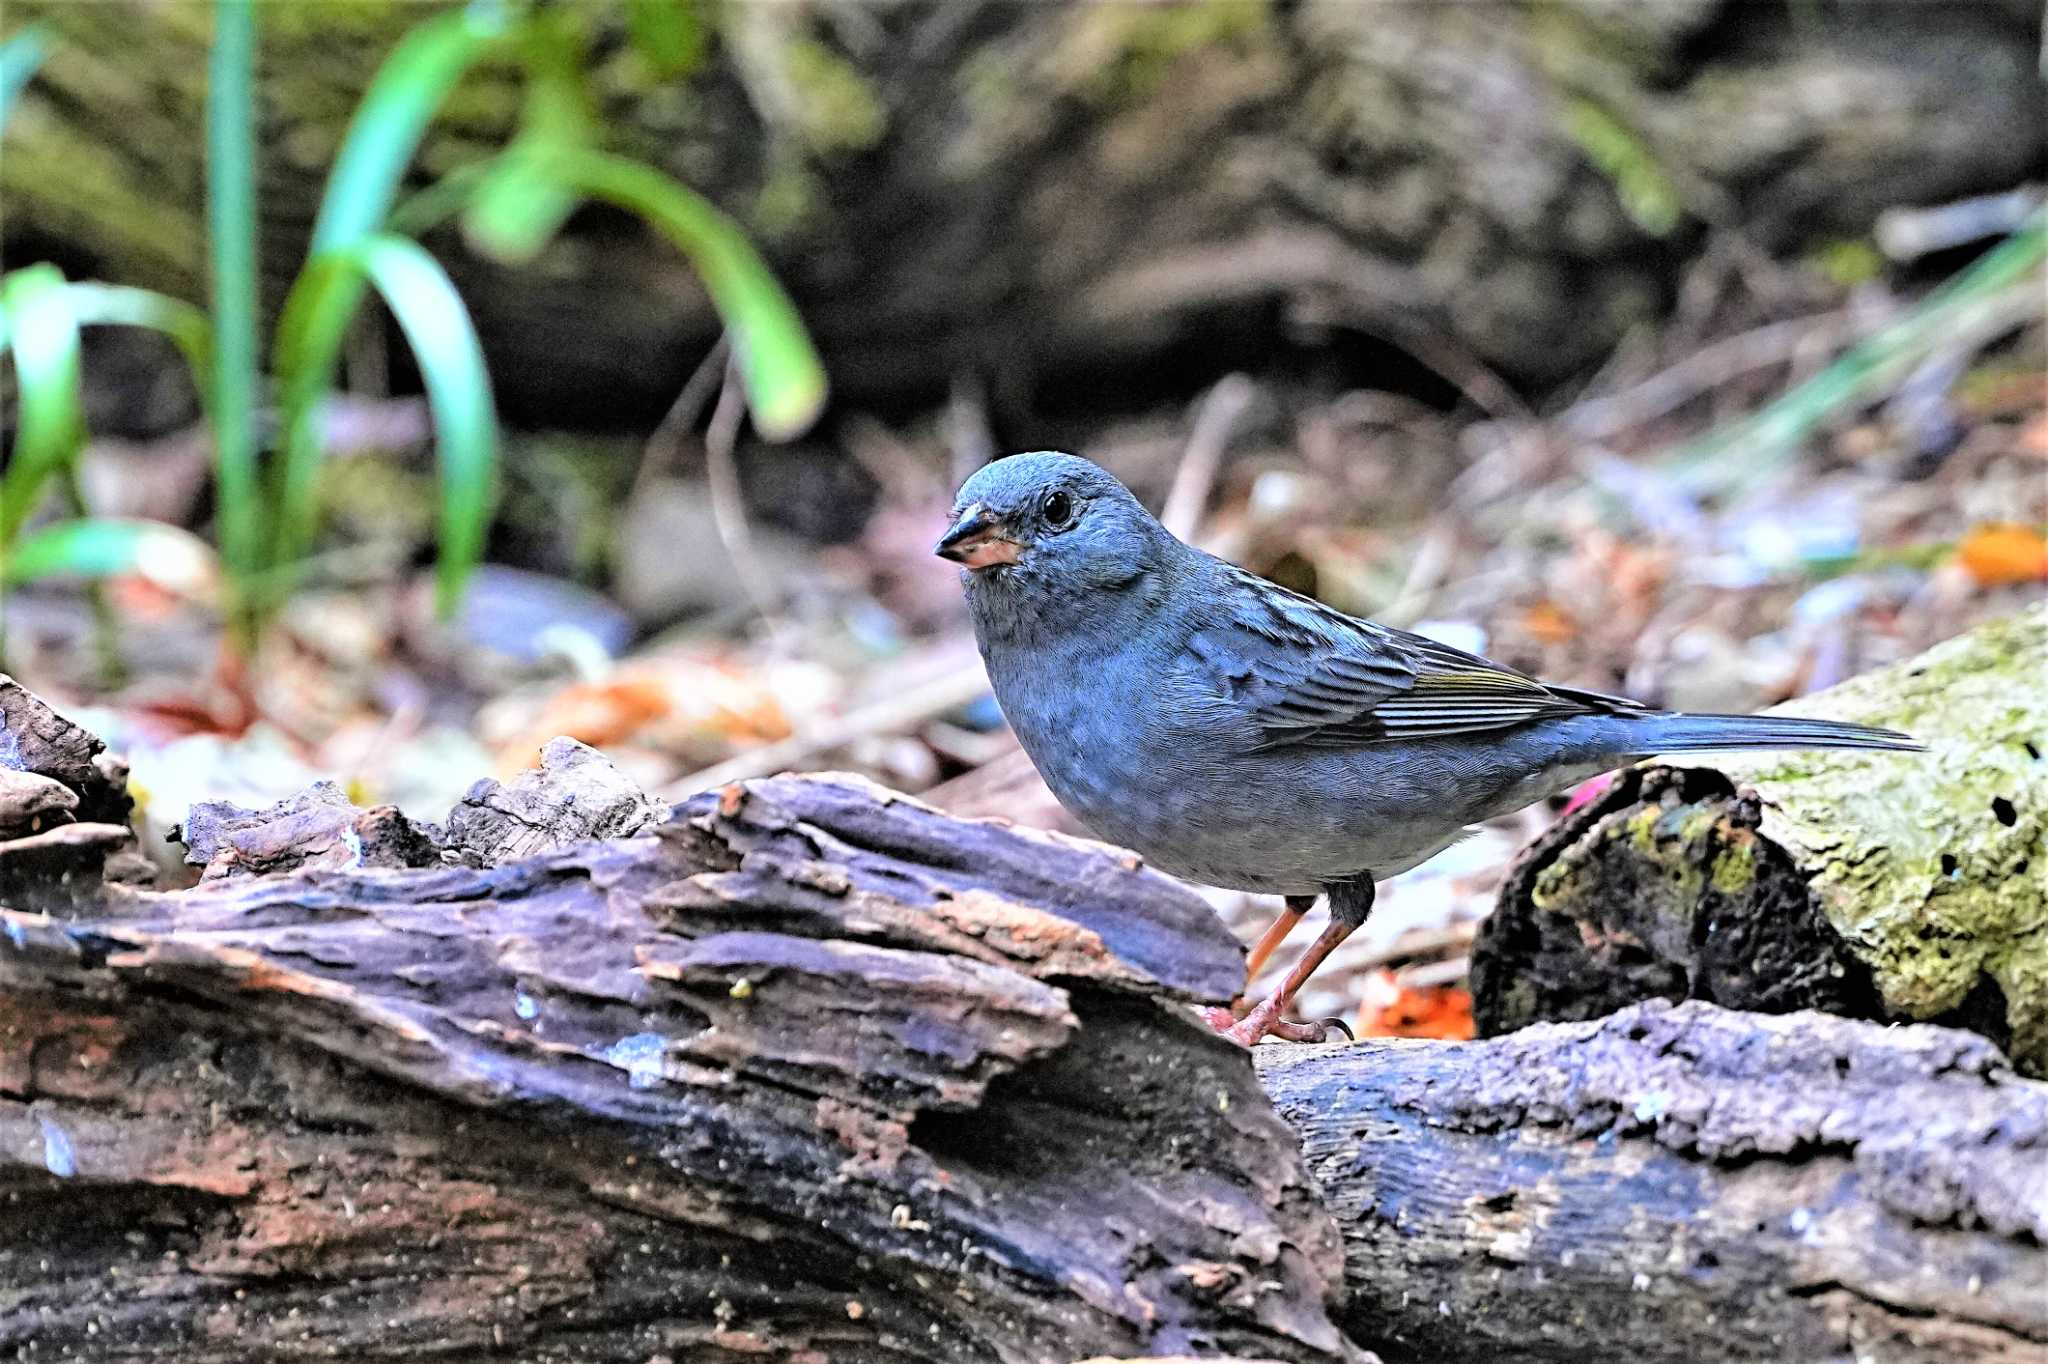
<point>1263,1022</point>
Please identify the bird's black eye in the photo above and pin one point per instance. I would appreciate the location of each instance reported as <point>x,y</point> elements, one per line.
<point>1058,510</point>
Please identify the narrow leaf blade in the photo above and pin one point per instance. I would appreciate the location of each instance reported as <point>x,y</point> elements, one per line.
<point>518,208</point>
<point>231,228</point>
<point>104,547</point>
<point>784,379</point>
<point>50,429</point>
<point>95,304</point>
<point>19,58</point>
<point>393,116</point>
<point>451,364</point>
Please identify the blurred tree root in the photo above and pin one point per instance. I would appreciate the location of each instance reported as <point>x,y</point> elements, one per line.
<point>1039,192</point>
<point>1880,885</point>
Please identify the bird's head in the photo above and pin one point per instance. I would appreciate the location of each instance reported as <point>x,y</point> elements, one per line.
<point>1054,519</point>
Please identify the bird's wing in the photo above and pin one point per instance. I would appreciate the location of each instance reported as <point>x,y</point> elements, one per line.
<point>1310,676</point>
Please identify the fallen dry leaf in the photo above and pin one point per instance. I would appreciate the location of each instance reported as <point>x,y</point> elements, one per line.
<point>1549,623</point>
<point>596,713</point>
<point>1999,555</point>
<point>1391,1009</point>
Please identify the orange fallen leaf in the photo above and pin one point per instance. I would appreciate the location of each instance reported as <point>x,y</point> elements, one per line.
<point>1998,555</point>
<point>1549,623</point>
<point>1395,1010</point>
<point>596,713</point>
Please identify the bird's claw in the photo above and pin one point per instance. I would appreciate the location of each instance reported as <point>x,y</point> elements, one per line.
<point>1260,1024</point>
<point>1288,1031</point>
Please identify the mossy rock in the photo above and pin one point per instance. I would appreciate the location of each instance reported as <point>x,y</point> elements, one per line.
<point>1933,867</point>
<point>1871,884</point>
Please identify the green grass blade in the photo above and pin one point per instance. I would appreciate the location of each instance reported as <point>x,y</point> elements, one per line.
<point>437,203</point>
<point>518,208</point>
<point>784,379</point>
<point>451,364</point>
<point>231,229</point>
<point>19,58</point>
<point>120,305</point>
<point>173,559</point>
<point>316,315</point>
<point>393,116</point>
<point>50,428</point>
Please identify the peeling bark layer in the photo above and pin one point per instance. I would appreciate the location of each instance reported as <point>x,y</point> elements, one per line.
<point>812,1071</point>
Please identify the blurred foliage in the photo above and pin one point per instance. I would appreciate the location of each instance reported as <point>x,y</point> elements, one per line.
<point>1849,262</point>
<point>19,58</point>
<point>511,202</point>
<point>1647,192</point>
<point>2000,288</point>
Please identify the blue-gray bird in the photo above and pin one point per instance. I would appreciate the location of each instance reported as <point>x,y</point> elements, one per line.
<point>1238,734</point>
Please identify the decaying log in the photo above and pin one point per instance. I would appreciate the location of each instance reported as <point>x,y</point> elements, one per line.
<point>573,795</point>
<point>1682,1183</point>
<point>1878,885</point>
<point>813,1072</point>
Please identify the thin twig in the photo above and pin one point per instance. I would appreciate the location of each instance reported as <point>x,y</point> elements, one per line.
<point>682,414</point>
<point>1215,419</point>
<point>1482,388</point>
<point>728,502</point>
<point>891,715</point>
<point>1701,372</point>
<point>1907,234</point>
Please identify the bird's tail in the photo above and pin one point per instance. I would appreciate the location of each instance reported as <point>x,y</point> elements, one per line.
<point>1683,733</point>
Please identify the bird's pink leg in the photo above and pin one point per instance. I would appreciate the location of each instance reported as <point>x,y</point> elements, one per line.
<point>1265,1018</point>
<point>1276,933</point>
<point>1290,917</point>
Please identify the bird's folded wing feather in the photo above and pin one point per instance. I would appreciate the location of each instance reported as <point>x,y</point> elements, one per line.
<point>1310,676</point>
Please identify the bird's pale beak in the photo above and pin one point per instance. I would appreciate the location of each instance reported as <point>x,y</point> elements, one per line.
<point>977,540</point>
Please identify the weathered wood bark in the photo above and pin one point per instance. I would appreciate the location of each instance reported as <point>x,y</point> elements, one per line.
<point>1682,1184</point>
<point>1039,192</point>
<point>63,807</point>
<point>1878,885</point>
<point>816,1073</point>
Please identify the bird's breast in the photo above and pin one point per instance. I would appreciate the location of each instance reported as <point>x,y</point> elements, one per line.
<point>1122,742</point>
